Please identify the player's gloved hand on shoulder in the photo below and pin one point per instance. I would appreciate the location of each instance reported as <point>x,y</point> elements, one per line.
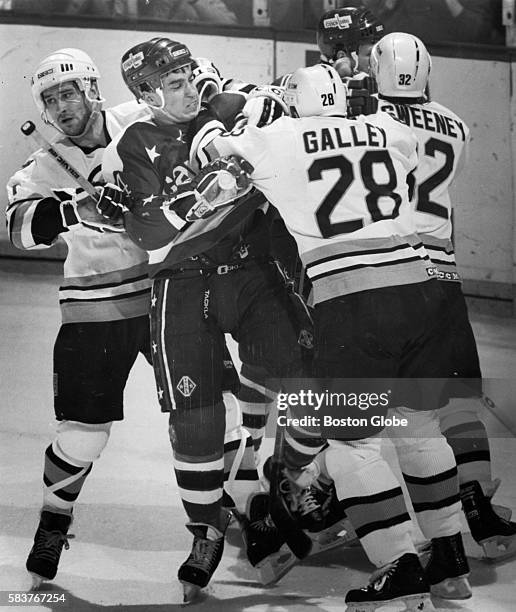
<point>112,202</point>
<point>264,105</point>
<point>217,184</point>
<point>361,98</point>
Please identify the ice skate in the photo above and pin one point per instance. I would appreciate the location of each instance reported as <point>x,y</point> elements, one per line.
<point>265,548</point>
<point>402,582</point>
<point>495,534</point>
<point>196,572</point>
<point>502,511</point>
<point>301,496</point>
<point>49,540</point>
<point>447,569</point>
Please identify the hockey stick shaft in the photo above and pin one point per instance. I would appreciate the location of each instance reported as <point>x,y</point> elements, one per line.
<point>29,129</point>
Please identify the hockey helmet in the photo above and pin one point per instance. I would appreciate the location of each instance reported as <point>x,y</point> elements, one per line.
<point>144,65</point>
<point>315,91</point>
<point>371,28</point>
<point>338,30</point>
<point>401,65</point>
<point>61,66</point>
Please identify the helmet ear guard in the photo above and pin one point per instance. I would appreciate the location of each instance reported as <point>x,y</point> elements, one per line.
<point>401,65</point>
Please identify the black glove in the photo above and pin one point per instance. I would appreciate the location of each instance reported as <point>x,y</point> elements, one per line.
<point>112,202</point>
<point>361,98</point>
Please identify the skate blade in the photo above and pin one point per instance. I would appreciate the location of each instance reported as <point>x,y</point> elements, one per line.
<point>411,603</point>
<point>503,512</point>
<point>37,581</point>
<point>340,534</point>
<point>191,592</point>
<point>275,566</point>
<point>452,588</point>
<point>499,548</point>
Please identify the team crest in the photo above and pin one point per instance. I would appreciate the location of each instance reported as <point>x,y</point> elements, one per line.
<point>306,339</point>
<point>186,386</point>
<point>342,22</point>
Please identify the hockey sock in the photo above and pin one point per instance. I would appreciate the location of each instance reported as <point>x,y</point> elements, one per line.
<point>372,499</point>
<point>63,479</point>
<point>256,402</point>
<point>467,436</point>
<point>197,438</point>
<point>428,466</point>
<point>68,461</point>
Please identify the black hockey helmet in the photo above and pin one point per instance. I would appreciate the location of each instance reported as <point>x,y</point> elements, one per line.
<point>144,65</point>
<point>338,30</point>
<point>371,28</point>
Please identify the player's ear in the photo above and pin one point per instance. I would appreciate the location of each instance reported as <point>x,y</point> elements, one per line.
<point>151,98</point>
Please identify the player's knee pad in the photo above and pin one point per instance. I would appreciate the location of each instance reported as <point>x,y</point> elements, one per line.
<point>82,441</point>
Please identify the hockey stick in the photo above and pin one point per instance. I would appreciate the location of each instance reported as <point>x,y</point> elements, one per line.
<point>29,129</point>
<point>297,540</point>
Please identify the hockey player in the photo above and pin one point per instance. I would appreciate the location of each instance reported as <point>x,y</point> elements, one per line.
<point>378,313</point>
<point>345,38</point>
<point>401,65</point>
<point>104,296</point>
<point>206,283</point>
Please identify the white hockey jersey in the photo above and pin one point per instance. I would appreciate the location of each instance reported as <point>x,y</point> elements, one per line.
<point>340,186</point>
<point>105,274</point>
<point>443,141</point>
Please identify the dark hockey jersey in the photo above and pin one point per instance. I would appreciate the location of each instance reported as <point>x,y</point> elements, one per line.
<point>149,161</point>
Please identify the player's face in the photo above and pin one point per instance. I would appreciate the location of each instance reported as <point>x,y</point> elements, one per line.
<point>180,95</point>
<point>363,56</point>
<point>66,107</point>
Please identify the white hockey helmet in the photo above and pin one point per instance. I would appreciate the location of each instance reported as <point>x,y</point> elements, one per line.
<point>314,91</point>
<point>401,65</point>
<point>61,66</point>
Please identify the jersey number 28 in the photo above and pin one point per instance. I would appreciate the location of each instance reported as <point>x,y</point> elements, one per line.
<point>374,190</point>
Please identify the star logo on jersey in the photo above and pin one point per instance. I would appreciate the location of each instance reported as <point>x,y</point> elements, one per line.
<point>152,153</point>
<point>148,200</point>
<point>160,394</point>
<point>154,347</point>
<point>153,301</point>
<point>186,386</point>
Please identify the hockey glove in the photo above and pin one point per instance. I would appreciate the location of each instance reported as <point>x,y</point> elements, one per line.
<point>264,105</point>
<point>361,98</point>
<point>78,208</point>
<point>219,183</point>
<point>112,202</point>
<point>206,79</point>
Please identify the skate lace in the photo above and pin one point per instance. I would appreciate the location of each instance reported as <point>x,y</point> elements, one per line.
<point>264,524</point>
<point>203,554</point>
<point>50,543</point>
<point>381,575</point>
<point>307,502</point>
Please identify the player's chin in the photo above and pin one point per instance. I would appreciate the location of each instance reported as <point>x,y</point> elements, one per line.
<point>71,127</point>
